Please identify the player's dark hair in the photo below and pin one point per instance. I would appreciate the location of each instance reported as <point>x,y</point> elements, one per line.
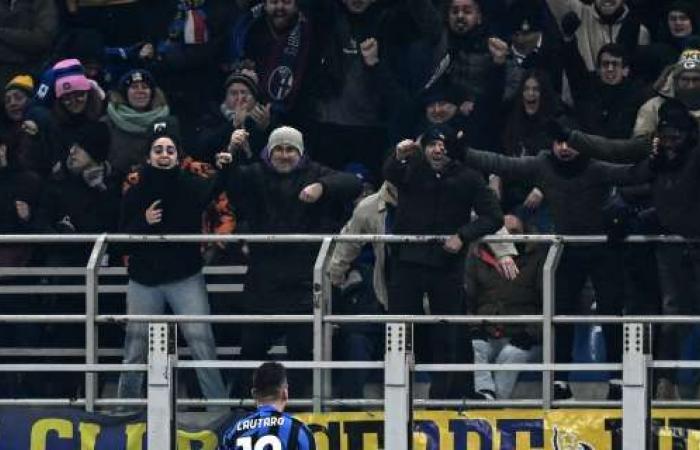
<point>268,380</point>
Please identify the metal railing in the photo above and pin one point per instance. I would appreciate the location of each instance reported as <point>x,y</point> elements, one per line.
<point>322,318</point>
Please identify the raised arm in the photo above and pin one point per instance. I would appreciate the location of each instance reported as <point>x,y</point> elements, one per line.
<point>521,168</point>
<point>612,150</point>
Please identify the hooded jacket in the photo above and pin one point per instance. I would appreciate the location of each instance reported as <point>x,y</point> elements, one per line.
<point>665,87</point>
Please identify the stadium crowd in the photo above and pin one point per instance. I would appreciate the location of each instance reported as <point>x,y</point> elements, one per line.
<point>454,117</point>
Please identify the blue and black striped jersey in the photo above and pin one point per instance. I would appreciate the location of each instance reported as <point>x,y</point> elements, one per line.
<point>268,429</point>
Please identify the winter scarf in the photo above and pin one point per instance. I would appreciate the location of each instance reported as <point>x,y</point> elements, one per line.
<point>128,119</point>
<point>286,62</point>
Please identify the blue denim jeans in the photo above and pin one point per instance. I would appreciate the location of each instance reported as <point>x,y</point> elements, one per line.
<point>187,296</point>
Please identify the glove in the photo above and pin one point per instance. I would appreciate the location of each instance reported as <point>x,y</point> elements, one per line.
<point>65,225</point>
<point>569,24</point>
<point>557,130</point>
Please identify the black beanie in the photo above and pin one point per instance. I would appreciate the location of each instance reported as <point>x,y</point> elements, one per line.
<point>447,135</point>
<point>132,77</point>
<point>94,138</point>
<point>165,128</point>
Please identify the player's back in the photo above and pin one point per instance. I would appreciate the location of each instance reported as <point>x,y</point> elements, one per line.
<point>268,429</point>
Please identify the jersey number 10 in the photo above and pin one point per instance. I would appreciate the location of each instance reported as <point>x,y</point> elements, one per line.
<point>268,442</point>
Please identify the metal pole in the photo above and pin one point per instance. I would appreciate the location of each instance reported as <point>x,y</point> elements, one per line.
<point>636,398</point>
<point>162,360</point>
<point>398,364</point>
<point>319,306</point>
<point>549,293</point>
<point>327,299</point>
<point>91,310</point>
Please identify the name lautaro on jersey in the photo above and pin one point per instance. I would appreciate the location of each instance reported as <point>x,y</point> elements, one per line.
<point>260,422</point>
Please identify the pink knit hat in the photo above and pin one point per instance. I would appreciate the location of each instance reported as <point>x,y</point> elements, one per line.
<point>71,77</point>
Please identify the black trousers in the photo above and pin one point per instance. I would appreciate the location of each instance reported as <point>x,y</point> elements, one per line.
<point>441,343</point>
<point>603,265</point>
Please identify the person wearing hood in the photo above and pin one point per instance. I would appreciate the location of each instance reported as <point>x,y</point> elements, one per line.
<point>679,26</point>
<point>598,23</point>
<point>680,81</point>
<point>285,193</point>
<point>168,200</point>
<point>241,108</point>
<point>134,105</point>
<point>673,155</point>
<point>437,194</point>
<point>576,188</point>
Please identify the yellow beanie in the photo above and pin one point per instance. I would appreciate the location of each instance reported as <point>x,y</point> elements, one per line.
<point>22,82</point>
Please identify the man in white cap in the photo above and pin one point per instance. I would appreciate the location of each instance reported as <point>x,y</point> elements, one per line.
<point>285,193</point>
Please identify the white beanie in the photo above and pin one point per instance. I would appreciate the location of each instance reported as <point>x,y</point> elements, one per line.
<point>286,136</point>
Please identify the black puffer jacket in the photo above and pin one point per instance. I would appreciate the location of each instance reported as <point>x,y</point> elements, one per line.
<point>440,203</point>
<point>183,198</point>
<point>267,202</point>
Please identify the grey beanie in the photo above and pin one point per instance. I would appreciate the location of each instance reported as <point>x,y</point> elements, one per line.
<point>286,136</point>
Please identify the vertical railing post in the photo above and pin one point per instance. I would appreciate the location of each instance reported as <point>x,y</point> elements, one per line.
<point>398,364</point>
<point>549,296</point>
<point>636,398</point>
<point>91,309</point>
<point>162,359</point>
<point>319,312</point>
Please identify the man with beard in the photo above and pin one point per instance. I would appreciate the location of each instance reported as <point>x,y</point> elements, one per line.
<point>577,189</point>
<point>675,163</point>
<point>598,23</point>
<point>285,193</point>
<point>437,195</point>
<point>680,81</point>
<point>278,37</point>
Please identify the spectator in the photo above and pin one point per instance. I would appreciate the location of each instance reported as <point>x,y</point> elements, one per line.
<point>18,93</point>
<point>437,194</point>
<point>350,109</point>
<point>488,294</point>
<point>81,196</point>
<point>285,193</point>
<point>680,81</point>
<point>375,215</point>
<point>679,26</point>
<point>524,135</point>
<point>577,188</point>
<point>675,161</point>
<point>606,103</point>
<point>134,105</point>
<point>168,200</point>
<point>78,101</point>
<point>597,24</point>
<point>241,108</point>
<point>279,38</point>
<point>534,45</point>
<point>27,29</point>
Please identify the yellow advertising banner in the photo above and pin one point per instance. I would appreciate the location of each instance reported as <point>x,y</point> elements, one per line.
<point>592,429</point>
